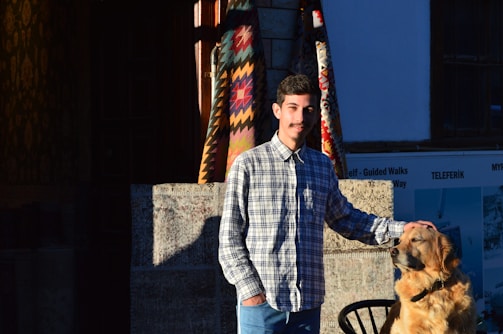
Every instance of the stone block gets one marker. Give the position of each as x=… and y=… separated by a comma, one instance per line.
x=274, y=77
x=285, y=4
x=373, y=196
x=281, y=54
x=176, y=282
x=277, y=23
x=142, y=207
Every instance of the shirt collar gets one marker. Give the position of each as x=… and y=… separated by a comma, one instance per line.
x=284, y=152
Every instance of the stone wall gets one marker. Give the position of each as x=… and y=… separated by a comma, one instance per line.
x=176, y=281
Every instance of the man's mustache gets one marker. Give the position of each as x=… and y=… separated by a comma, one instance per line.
x=303, y=124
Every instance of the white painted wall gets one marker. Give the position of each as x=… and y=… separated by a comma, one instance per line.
x=381, y=56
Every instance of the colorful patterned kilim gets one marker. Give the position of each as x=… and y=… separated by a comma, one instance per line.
x=238, y=115
x=313, y=59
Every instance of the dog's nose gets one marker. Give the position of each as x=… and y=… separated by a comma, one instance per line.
x=393, y=251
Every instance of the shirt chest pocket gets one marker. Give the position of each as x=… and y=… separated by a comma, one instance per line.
x=313, y=204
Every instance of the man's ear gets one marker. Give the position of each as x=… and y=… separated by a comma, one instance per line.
x=276, y=110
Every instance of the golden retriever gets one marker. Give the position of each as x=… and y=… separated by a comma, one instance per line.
x=434, y=296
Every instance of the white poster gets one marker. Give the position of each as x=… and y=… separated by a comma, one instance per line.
x=462, y=193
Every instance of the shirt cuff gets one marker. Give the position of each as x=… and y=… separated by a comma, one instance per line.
x=248, y=288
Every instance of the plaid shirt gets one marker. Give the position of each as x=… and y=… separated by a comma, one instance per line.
x=271, y=231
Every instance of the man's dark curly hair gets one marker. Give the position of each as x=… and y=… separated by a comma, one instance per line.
x=295, y=84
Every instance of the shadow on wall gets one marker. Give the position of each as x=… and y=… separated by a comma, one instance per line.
x=177, y=285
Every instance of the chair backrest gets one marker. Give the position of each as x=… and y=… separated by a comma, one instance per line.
x=365, y=316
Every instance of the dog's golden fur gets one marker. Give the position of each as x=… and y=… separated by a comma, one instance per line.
x=434, y=296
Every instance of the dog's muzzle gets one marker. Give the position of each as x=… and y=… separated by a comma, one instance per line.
x=405, y=260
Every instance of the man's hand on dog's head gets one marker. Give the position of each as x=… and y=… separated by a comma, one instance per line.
x=419, y=223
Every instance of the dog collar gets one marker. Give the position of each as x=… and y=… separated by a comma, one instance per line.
x=438, y=285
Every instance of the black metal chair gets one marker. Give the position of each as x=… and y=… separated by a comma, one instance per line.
x=366, y=315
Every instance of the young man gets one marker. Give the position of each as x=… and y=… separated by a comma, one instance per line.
x=278, y=196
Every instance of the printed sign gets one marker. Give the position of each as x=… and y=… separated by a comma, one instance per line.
x=462, y=193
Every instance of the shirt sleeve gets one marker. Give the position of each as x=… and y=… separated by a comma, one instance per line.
x=355, y=224
x=233, y=254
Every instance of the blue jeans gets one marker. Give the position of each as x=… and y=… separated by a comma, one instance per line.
x=263, y=319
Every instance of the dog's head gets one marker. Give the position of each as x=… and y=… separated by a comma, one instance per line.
x=424, y=249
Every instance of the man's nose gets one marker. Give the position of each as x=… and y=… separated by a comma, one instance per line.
x=300, y=116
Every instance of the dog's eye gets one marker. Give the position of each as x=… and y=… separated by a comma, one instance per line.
x=416, y=239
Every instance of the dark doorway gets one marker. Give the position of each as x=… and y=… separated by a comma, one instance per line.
x=145, y=130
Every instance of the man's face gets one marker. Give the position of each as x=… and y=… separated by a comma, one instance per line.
x=296, y=116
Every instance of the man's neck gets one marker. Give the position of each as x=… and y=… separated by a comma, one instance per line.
x=291, y=144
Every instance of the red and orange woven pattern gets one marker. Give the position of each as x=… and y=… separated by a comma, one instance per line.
x=313, y=59
x=238, y=113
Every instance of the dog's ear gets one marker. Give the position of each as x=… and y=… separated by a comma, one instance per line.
x=446, y=253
